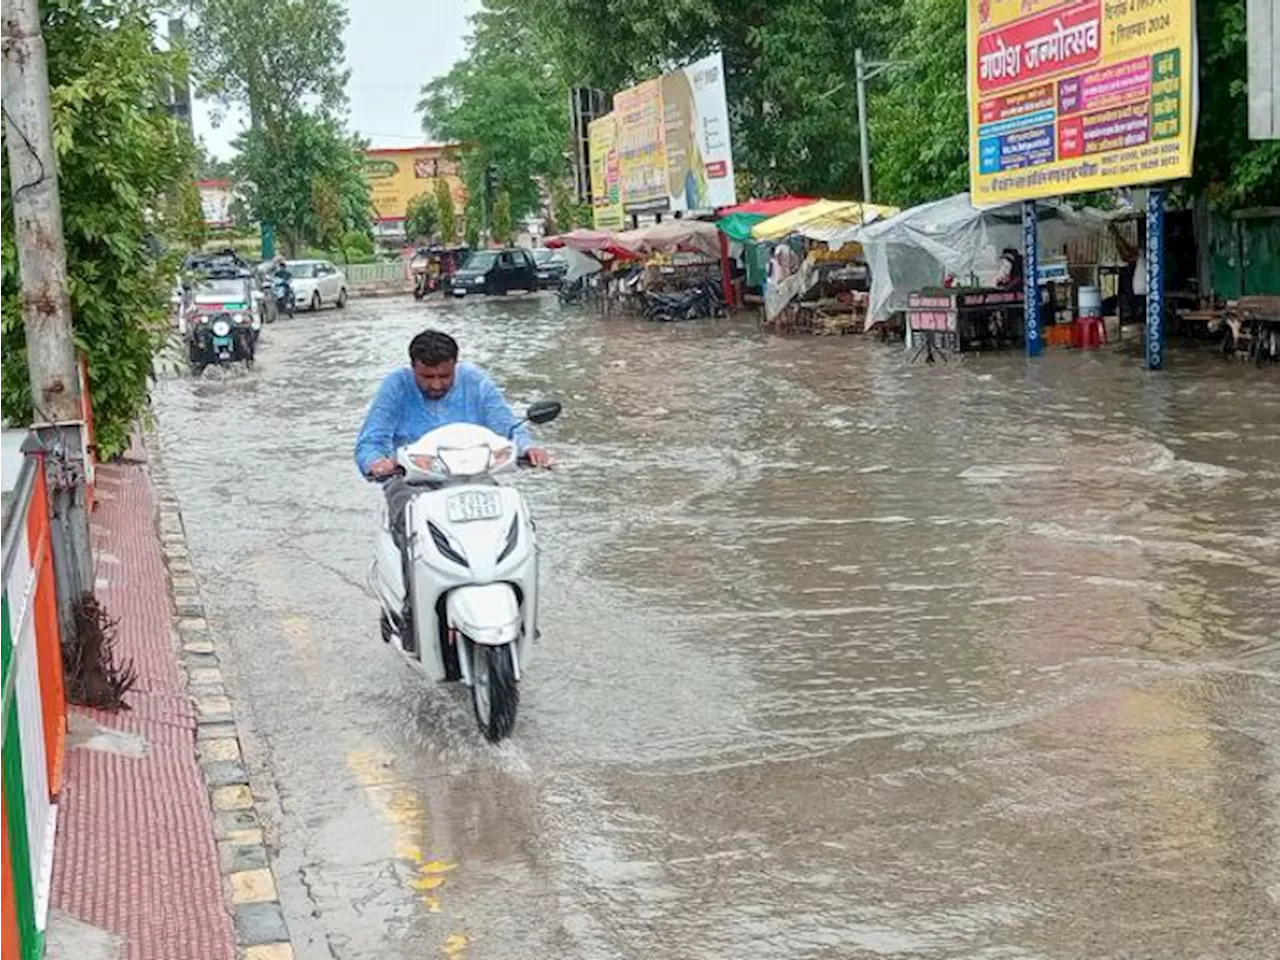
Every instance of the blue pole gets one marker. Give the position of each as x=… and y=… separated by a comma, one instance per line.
x=1030, y=279
x=1155, y=278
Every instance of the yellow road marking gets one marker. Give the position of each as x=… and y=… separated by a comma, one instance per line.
x=374, y=770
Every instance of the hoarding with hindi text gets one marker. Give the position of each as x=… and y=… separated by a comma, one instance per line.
x=1067, y=97
x=606, y=177
x=397, y=175
x=673, y=141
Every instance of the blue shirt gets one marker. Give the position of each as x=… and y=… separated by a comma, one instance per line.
x=401, y=413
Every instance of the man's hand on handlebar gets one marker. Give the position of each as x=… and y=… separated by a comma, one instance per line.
x=383, y=468
x=538, y=457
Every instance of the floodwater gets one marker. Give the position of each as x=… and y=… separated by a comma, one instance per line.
x=842, y=657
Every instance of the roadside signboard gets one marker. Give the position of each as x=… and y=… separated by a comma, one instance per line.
x=215, y=202
x=1067, y=96
x=606, y=176
x=673, y=141
x=696, y=137
x=640, y=146
x=398, y=175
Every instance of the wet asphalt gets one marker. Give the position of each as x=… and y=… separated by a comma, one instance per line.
x=842, y=657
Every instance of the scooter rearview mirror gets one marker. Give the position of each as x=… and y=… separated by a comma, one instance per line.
x=543, y=411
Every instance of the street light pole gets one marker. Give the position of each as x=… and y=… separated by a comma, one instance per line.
x=865, y=70
x=52, y=366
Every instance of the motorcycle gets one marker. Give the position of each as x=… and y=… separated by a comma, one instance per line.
x=222, y=338
x=461, y=598
x=425, y=283
x=282, y=290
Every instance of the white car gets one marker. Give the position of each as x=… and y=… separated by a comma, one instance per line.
x=316, y=283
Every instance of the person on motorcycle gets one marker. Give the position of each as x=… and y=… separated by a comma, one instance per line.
x=434, y=390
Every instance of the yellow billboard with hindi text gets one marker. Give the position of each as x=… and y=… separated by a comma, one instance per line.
x=1067, y=97
x=606, y=178
x=397, y=175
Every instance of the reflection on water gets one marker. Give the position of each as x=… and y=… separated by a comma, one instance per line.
x=844, y=657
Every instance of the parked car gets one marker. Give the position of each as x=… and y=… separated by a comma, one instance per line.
x=317, y=282
x=496, y=271
x=552, y=267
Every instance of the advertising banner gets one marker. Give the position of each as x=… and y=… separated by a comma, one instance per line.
x=397, y=175
x=696, y=137
x=215, y=202
x=638, y=112
x=606, y=174
x=673, y=141
x=1067, y=97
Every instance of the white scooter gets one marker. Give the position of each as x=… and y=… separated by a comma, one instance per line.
x=470, y=612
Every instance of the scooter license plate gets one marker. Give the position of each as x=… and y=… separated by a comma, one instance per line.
x=473, y=505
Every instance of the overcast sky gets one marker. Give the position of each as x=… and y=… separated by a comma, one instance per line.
x=393, y=47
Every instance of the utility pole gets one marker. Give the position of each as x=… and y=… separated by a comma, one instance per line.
x=865, y=70
x=46, y=308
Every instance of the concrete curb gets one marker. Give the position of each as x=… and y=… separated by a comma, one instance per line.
x=249, y=883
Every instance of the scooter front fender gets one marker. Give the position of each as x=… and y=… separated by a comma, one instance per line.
x=488, y=614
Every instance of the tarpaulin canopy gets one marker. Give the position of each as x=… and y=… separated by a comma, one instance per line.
x=670, y=236
x=918, y=247
x=768, y=206
x=817, y=215
x=736, y=222
x=594, y=242
x=674, y=236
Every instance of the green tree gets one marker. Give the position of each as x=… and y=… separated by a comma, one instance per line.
x=789, y=70
x=122, y=203
x=1233, y=170
x=422, y=217
x=283, y=61
x=919, y=113
x=505, y=104
x=502, y=217
x=445, y=211
x=308, y=179
x=273, y=57
x=356, y=246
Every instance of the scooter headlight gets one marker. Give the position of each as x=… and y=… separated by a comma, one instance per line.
x=221, y=327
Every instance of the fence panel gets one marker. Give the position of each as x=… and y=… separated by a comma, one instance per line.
x=48, y=635
x=33, y=717
x=360, y=273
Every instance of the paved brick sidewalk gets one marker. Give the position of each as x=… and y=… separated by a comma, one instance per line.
x=135, y=852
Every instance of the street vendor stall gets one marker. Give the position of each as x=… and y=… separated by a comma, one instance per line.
x=951, y=319
x=669, y=270
x=827, y=292
x=951, y=244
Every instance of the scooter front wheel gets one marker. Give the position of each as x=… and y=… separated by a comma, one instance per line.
x=495, y=694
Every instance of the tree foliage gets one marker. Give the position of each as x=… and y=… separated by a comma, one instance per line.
x=918, y=112
x=1231, y=168
x=789, y=70
x=445, y=211
x=306, y=176
x=792, y=92
x=422, y=217
x=502, y=217
x=503, y=101
x=274, y=57
x=283, y=61
x=123, y=199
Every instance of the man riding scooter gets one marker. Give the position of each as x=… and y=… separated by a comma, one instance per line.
x=282, y=288
x=434, y=390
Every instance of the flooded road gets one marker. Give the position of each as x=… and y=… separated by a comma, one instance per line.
x=842, y=657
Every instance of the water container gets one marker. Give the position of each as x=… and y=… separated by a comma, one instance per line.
x=1090, y=302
